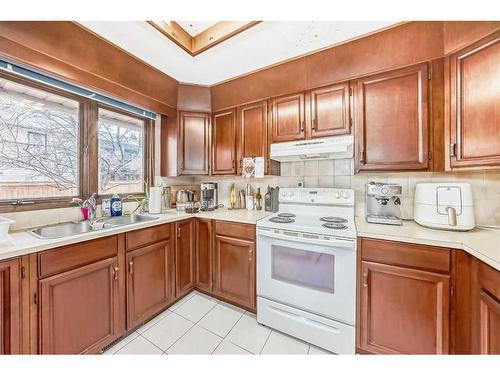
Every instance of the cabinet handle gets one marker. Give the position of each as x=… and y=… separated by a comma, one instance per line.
x=365, y=279
x=315, y=124
x=302, y=126
x=361, y=156
x=178, y=232
x=115, y=272
x=250, y=255
x=131, y=267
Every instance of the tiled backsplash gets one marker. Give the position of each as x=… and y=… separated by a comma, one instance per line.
x=325, y=173
x=340, y=174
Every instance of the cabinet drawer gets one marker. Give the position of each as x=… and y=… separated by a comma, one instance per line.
x=147, y=236
x=62, y=259
x=406, y=254
x=235, y=230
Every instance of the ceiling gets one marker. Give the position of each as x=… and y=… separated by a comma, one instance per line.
x=267, y=43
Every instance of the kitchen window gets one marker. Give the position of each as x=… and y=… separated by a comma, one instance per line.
x=48, y=153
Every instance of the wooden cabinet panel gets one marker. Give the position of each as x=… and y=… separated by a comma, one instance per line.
x=204, y=254
x=224, y=143
x=475, y=104
x=288, y=118
x=392, y=120
x=79, y=309
x=403, y=310
x=252, y=133
x=489, y=324
x=234, y=267
x=10, y=307
x=236, y=230
x=330, y=111
x=143, y=237
x=406, y=254
x=194, y=143
x=184, y=257
x=58, y=260
x=149, y=281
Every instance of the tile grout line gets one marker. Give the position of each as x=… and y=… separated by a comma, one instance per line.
x=263, y=346
x=228, y=332
x=194, y=324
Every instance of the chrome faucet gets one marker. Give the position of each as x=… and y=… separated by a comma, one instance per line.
x=91, y=204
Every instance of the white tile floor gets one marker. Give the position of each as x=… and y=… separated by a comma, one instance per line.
x=199, y=324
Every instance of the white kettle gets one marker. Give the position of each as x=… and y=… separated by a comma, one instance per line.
x=444, y=205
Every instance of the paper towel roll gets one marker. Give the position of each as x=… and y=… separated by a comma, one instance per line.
x=155, y=200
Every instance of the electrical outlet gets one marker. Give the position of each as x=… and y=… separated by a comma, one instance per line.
x=300, y=184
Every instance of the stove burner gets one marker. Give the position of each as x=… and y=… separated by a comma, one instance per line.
x=335, y=226
x=286, y=214
x=334, y=219
x=280, y=219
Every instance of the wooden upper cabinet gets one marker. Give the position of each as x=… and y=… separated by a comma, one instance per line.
x=330, y=110
x=204, y=254
x=403, y=310
x=223, y=142
x=184, y=257
x=288, y=118
x=150, y=281
x=252, y=132
x=194, y=143
x=474, y=99
x=10, y=307
x=79, y=309
x=392, y=120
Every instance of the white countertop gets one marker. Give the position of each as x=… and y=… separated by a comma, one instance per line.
x=23, y=243
x=483, y=243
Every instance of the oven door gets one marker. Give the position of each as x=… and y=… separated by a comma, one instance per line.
x=315, y=275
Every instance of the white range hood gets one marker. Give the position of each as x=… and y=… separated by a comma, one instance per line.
x=340, y=147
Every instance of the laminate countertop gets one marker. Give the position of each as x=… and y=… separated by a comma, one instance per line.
x=23, y=242
x=481, y=242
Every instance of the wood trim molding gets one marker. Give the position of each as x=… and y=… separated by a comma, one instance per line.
x=208, y=38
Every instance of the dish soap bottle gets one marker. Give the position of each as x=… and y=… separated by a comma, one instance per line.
x=116, y=205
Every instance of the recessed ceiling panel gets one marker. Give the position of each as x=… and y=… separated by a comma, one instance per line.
x=264, y=44
x=193, y=28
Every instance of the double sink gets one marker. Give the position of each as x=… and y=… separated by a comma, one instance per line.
x=74, y=228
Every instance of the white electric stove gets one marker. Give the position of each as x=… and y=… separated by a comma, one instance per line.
x=306, y=267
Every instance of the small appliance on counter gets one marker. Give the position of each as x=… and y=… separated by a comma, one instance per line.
x=383, y=203
x=209, y=198
x=173, y=191
x=444, y=205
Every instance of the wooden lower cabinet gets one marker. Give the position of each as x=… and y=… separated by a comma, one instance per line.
x=184, y=257
x=10, y=307
x=79, y=309
x=150, y=282
x=489, y=313
x=204, y=254
x=234, y=270
x=404, y=310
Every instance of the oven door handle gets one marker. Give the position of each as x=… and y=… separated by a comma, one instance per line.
x=334, y=242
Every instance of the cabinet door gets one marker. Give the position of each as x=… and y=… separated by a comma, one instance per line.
x=235, y=270
x=194, y=143
x=330, y=111
x=288, y=118
x=403, y=310
x=149, y=281
x=391, y=121
x=223, y=143
x=184, y=257
x=204, y=252
x=79, y=309
x=10, y=307
x=489, y=324
x=252, y=139
x=475, y=104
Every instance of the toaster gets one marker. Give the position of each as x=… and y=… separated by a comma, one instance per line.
x=444, y=205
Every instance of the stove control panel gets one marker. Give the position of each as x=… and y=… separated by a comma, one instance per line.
x=330, y=196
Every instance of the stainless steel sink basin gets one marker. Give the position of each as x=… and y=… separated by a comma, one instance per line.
x=125, y=220
x=74, y=228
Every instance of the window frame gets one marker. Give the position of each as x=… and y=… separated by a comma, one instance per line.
x=87, y=148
